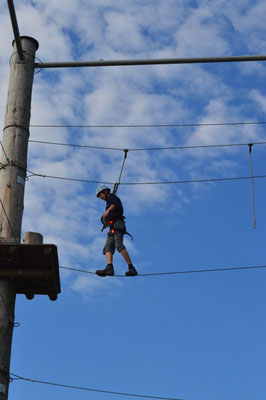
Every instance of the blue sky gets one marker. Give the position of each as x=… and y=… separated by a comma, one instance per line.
x=191, y=336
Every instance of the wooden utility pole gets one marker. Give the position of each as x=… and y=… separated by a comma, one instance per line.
x=13, y=167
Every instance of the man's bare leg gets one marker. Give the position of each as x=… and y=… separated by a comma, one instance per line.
x=109, y=257
x=126, y=257
x=131, y=269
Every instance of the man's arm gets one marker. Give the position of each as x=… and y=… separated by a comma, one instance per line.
x=112, y=207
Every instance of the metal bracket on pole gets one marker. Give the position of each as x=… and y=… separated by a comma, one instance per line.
x=15, y=29
x=158, y=61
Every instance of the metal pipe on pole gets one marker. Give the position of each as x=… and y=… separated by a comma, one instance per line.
x=12, y=182
x=15, y=28
x=159, y=61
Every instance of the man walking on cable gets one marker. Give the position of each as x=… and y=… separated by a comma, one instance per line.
x=114, y=219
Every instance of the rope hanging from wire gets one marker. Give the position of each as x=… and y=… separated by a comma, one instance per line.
x=252, y=180
x=123, y=164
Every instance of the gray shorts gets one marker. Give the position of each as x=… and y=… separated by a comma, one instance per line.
x=115, y=241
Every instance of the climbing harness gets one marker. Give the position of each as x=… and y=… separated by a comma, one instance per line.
x=112, y=230
x=110, y=225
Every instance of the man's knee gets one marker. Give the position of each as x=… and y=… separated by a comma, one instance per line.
x=108, y=251
x=109, y=246
x=121, y=247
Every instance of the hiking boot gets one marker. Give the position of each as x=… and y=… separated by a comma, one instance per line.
x=107, y=271
x=131, y=271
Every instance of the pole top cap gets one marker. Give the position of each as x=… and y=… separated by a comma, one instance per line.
x=29, y=38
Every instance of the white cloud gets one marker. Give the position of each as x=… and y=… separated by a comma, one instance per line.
x=248, y=20
x=259, y=98
x=88, y=285
x=201, y=34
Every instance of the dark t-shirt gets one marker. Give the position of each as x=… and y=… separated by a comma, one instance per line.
x=112, y=199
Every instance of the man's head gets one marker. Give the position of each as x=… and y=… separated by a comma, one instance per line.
x=102, y=192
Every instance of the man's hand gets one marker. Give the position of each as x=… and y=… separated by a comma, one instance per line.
x=105, y=215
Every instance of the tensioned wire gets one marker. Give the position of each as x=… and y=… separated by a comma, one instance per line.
x=174, y=272
x=152, y=125
x=16, y=377
x=145, y=183
x=147, y=148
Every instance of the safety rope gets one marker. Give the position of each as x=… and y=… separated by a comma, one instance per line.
x=118, y=182
x=252, y=180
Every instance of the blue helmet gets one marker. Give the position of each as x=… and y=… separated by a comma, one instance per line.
x=101, y=188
